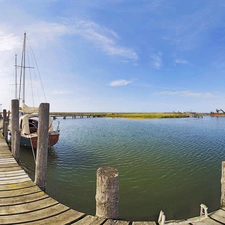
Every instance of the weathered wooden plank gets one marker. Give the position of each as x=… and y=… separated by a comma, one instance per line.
x=6, y=187
x=8, y=165
x=207, y=221
x=144, y=223
x=2, y=142
x=219, y=215
x=62, y=218
x=18, y=180
x=4, y=147
x=23, y=199
x=13, y=177
x=93, y=220
x=35, y=215
x=27, y=207
x=116, y=222
x=12, y=173
x=5, y=155
x=19, y=192
x=7, y=160
x=14, y=168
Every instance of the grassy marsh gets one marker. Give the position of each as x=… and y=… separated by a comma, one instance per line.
x=147, y=115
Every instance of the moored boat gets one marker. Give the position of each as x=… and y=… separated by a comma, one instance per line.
x=29, y=131
x=219, y=112
x=28, y=121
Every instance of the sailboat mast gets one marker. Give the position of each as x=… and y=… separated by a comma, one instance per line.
x=15, y=76
x=24, y=65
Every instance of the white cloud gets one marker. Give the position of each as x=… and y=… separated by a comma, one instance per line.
x=189, y=94
x=102, y=37
x=157, y=60
x=61, y=92
x=8, y=41
x=116, y=83
x=181, y=61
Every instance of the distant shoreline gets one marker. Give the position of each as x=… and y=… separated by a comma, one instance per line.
x=138, y=115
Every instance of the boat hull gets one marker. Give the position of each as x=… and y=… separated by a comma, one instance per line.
x=217, y=114
x=32, y=140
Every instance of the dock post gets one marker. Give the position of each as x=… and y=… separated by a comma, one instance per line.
x=162, y=218
x=5, y=130
x=107, y=193
x=15, y=144
x=222, y=201
x=4, y=120
x=42, y=146
x=203, y=210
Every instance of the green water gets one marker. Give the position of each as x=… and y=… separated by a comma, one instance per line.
x=164, y=164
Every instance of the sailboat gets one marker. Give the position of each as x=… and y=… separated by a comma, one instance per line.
x=28, y=120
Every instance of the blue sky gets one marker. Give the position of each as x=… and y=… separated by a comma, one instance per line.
x=118, y=55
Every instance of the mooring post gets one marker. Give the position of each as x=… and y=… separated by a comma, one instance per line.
x=203, y=210
x=5, y=130
x=162, y=218
x=15, y=144
x=107, y=193
x=4, y=121
x=42, y=146
x=222, y=200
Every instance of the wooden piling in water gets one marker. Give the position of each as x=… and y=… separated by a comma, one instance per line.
x=42, y=146
x=4, y=121
x=222, y=201
x=107, y=193
x=15, y=144
x=5, y=130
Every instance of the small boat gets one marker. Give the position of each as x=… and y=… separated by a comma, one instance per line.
x=218, y=113
x=28, y=124
x=28, y=119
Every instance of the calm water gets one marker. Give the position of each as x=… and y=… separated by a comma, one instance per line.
x=168, y=164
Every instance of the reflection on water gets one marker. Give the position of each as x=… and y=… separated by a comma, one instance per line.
x=168, y=164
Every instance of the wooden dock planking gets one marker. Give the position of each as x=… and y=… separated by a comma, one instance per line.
x=219, y=215
x=19, y=192
x=28, y=207
x=67, y=217
x=144, y=223
x=8, y=187
x=116, y=222
x=34, y=215
x=14, y=168
x=93, y=220
x=11, y=173
x=207, y=221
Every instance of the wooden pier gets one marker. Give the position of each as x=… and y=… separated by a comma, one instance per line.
x=75, y=115
x=23, y=202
